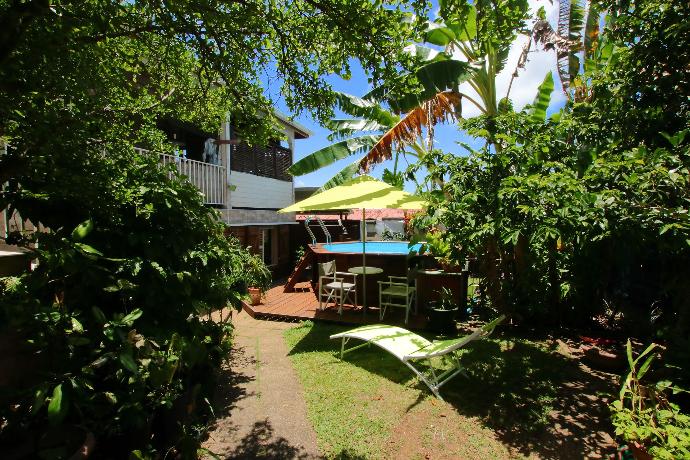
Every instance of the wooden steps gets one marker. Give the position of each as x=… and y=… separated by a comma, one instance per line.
x=303, y=263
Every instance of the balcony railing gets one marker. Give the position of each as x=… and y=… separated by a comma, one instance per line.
x=208, y=178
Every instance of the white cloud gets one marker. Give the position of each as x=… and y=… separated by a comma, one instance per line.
x=300, y=183
x=525, y=86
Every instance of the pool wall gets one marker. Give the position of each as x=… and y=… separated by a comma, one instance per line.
x=392, y=265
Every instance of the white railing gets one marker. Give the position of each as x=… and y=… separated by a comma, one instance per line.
x=208, y=178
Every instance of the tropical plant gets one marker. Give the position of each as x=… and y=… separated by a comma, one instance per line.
x=115, y=318
x=573, y=217
x=445, y=300
x=114, y=325
x=377, y=134
x=643, y=413
x=257, y=273
x=580, y=48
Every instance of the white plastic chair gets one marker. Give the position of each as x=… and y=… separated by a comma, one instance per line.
x=332, y=284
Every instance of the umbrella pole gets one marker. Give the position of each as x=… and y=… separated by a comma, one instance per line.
x=364, y=261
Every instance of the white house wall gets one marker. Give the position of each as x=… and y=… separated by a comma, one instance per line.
x=250, y=191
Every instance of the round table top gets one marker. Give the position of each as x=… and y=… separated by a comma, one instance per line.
x=360, y=270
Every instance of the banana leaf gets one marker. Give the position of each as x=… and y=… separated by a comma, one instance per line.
x=541, y=103
x=332, y=153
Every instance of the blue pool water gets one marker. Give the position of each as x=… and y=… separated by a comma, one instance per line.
x=373, y=247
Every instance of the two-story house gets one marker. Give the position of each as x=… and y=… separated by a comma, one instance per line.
x=248, y=185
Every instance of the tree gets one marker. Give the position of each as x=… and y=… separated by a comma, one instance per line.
x=583, y=215
x=432, y=94
x=134, y=261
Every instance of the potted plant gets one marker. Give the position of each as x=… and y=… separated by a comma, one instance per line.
x=437, y=247
x=442, y=313
x=257, y=277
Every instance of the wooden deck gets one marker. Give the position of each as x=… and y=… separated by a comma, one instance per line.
x=303, y=304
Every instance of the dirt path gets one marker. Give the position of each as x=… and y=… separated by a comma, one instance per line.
x=263, y=411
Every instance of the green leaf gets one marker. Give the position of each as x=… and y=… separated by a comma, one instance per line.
x=82, y=230
x=434, y=78
x=628, y=352
x=464, y=30
x=647, y=350
x=88, y=249
x=39, y=398
x=131, y=317
x=99, y=315
x=332, y=153
x=541, y=103
x=438, y=34
x=346, y=127
x=364, y=108
x=645, y=366
x=57, y=408
x=76, y=325
x=344, y=175
x=424, y=53
x=591, y=29
x=128, y=362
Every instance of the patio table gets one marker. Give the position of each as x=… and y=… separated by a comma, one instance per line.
x=365, y=271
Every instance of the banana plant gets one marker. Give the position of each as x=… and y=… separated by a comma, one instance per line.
x=482, y=33
x=375, y=134
x=579, y=46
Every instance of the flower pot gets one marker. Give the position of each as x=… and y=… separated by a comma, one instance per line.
x=254, y=295
x=442, y=321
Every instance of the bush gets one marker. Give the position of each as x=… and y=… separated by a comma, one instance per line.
x=115, y=319
x=644, y=414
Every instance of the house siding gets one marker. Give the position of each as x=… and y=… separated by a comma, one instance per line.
x=250, y=191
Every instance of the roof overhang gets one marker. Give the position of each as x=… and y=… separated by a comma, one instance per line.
x=301, y=131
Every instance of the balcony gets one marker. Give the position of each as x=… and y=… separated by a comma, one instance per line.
x=210, y=179
x=270, y=161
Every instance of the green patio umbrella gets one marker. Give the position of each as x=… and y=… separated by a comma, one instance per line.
x=363, y=192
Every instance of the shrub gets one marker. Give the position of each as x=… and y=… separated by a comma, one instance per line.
x=115, y=319
x=644, y=414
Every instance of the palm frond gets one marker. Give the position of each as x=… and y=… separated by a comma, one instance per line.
x=438, y=109
x=344, y=175
x=332, y=153
x=364, y=108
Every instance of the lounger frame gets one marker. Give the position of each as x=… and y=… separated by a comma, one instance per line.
x=432, y=378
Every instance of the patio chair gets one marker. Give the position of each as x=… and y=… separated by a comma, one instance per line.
x=411, y=349
x=332, y=284
x=398, y=291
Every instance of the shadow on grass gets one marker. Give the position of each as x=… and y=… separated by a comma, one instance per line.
x=534, y=399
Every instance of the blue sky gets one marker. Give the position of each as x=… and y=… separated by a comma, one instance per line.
x=446, y=137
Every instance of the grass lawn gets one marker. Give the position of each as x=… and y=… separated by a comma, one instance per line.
x=522, y=399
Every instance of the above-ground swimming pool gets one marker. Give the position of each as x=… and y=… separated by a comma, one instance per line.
x=392, y=258
x=373, y=247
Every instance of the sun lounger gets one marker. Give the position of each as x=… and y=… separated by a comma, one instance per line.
x=411, y=348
